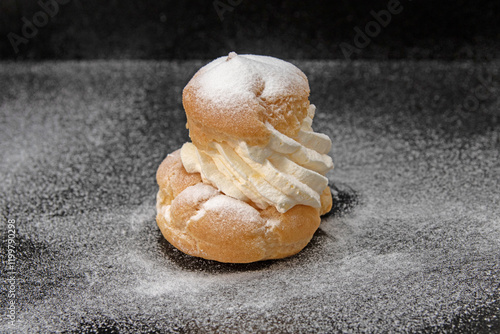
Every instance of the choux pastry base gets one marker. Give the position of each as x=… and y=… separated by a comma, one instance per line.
x=201, y=221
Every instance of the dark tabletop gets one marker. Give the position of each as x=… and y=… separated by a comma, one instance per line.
x=411, y=245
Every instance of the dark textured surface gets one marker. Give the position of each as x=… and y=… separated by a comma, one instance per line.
x=313, y=29
x=411, y=246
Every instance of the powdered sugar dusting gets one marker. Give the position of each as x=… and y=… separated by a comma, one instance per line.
x=418, y=253
x=272, y=223
x=222, y=202
x=200, y=214
x=200, y=192
x=229, y=79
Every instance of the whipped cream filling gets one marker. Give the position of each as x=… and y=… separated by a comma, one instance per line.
x=284, y=173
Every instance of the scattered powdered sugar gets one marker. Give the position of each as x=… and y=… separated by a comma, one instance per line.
x=222, y=202
x=272, y=222
x=199, y=192
x=198, y=215
x=164, y=211
x=417, y=253
x=229, y=79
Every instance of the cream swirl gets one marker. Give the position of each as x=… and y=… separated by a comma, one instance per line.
x=284, y=173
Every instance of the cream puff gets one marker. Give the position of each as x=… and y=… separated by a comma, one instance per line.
x=251, y=185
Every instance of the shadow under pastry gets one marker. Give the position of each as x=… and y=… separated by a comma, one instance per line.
x=344, y=200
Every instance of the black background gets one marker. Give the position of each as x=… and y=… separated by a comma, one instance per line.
x=194, y=29
x=412, y=243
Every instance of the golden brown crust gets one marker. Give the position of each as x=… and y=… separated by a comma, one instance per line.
x=326, y=201
x=211, y=117
x=200, y=221
x=206, y=126
x=173, y=178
